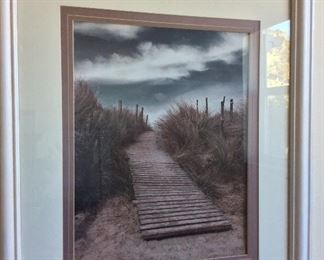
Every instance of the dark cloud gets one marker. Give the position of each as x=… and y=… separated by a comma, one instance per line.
x=151, y=93
x=199, y=70
x=89, y=46
x=218, y=71
x=196, y=38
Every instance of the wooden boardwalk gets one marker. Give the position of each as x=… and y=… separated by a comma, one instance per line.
x=168, y=202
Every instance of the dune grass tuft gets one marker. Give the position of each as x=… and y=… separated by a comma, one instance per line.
x=101, y=134
x=212, y=155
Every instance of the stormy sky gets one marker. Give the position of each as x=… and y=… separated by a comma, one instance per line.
x=157, y=67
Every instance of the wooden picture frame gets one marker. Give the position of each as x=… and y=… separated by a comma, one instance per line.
x=71, y=14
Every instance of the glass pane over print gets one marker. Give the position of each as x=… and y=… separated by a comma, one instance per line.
x=160, y=142
x=274, y=102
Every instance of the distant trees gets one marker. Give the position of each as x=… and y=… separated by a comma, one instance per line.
x=101, y=168
x=277, y=58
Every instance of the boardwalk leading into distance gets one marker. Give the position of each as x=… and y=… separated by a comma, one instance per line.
x=168, y=202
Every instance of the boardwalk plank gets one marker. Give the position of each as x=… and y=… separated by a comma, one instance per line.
x=140, y=189
x=154, y=195
x=168, y=202
x=180, y=185
x=171, y=208
x=180, y=222
x=179, y=213
x=149, y=205
x=161, y=219
x=177, y=198
x=185, y=230
x=169, y=183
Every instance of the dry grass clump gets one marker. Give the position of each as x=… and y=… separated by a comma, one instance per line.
x=101, y=169
x=213, y=156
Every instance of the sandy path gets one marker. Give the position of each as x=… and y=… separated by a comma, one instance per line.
x=114, y=235
x=158, y=179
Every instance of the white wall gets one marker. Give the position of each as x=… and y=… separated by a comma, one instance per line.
x=41, y=129
x=317, y=137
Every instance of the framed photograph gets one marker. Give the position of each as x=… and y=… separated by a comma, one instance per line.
x=160, y=136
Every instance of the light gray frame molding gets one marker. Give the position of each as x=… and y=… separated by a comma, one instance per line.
x=71, y=14
x=9, y=135
x=300, y=108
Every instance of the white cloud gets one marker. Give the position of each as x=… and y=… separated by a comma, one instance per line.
x=160, y=97
x=157, y=62
x=107, y=30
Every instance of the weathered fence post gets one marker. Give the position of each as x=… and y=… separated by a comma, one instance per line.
x=136, y=113
x=197, y=109
x=206, y=110
x=146, y=120
x=120, y=106
x=222, y=107
x=142, y=114
x=231, y=108
x=222, y=116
